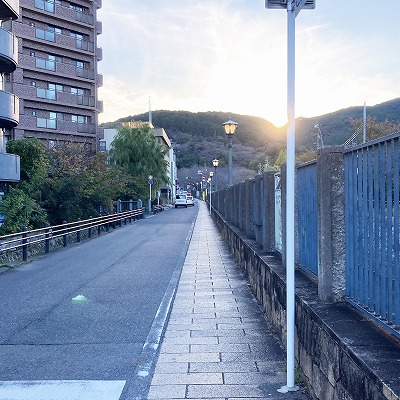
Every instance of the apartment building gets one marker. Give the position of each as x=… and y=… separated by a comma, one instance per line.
x=9, y=103
x=56, y=78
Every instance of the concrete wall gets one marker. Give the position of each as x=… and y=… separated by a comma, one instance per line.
x=341, y=354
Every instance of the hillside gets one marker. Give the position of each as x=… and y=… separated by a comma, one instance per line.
x=199, y=137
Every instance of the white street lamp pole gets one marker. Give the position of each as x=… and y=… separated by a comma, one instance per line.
x=293, y=8
x=290, y=190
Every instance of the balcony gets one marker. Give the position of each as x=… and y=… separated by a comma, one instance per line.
x=8, y=52
x=99, y=54
x=9, y=9
x=88, y=101
x=9, y=168
x=9, y=110
x=85, y=18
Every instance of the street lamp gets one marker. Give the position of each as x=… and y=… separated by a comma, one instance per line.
x=230, y=128
x=215, y=164
x=293, y=8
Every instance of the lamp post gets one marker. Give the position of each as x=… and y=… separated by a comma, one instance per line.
x=230, y=128
x=215, y=164
x=210, y=182
x=293, y=8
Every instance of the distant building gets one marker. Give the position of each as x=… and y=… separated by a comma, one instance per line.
x=9, y=103
x=168, y=190
x=56, y=78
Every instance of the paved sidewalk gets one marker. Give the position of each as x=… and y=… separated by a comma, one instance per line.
x=217, y=343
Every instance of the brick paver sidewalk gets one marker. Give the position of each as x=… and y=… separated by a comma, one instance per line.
x=217, y=344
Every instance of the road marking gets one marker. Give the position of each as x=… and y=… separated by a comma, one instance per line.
x=61, y=390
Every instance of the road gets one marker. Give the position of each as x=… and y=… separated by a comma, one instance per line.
x=93, y=312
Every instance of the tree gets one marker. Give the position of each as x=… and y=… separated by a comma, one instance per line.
x=34, y=163
x=374, y=128
x=138, y=153
x=80, y=184
x=20, y=211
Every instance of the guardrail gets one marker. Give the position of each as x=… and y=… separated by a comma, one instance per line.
x=19, y=246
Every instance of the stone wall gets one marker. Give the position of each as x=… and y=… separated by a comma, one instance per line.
x=341, y=354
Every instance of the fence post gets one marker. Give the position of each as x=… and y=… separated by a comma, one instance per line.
x=90, y=229
x=78, y=233
x=65, y=236
x=269, y=212
x=47, y=239
x=331, y=225
x=24, y=243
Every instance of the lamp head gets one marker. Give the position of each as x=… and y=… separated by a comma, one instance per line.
x=230, y=127
x=215, y=163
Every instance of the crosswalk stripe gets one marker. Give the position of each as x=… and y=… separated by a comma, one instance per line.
x=61, y=390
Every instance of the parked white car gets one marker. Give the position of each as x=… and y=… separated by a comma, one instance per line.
x=180, y=201
x=189, y=200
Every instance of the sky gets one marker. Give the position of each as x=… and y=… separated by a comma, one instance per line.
x=231, y=56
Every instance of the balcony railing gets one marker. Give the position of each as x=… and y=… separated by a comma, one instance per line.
x=41, y=63
x=86, y=128
x=84, y=73
x=84, y=45
x=46, y=123
x=45, y=5
x=9, y=168
x=46, y=94
x=85, y=18
x=8, y=51
x=88, y=101
x=9, y=110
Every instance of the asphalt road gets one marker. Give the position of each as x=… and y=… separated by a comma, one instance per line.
x=94, y=311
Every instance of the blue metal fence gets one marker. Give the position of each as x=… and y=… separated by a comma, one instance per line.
x=308, y=217
x=372, y=228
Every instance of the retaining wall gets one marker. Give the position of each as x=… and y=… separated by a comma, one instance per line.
x=341, y=354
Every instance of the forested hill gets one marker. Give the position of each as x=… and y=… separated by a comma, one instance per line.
x=200, y=137
x=335, y=126
x=182, y=125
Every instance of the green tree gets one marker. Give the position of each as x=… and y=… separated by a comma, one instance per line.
x=280, y=159
x=375, y=129
x=80, y=184
x=34, y=163
x=20, y=211
x=137, y=152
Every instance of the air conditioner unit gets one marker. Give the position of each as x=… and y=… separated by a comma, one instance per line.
x=310, y=4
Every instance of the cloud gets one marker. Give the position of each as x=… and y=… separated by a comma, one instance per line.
x=211, y=56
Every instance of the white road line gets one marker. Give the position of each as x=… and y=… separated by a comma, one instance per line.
x=61, y=390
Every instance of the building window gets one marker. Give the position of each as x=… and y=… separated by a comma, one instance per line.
x=33, y=113
x=55, y=87
x=52, y=144
x=56, y=115
x=33, y=83
x=45, y=35
x=76, y=35
x=45, y=5
x=46, y=123
x=50, y=65
x=78, y=91
x=55, y=29
x=32, y=54
x=78, y=63
x=45, y=94
x=77, y=7
x=80, y=119
x=102, y=145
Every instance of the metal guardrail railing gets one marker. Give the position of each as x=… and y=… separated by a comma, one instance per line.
x=29, y=242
